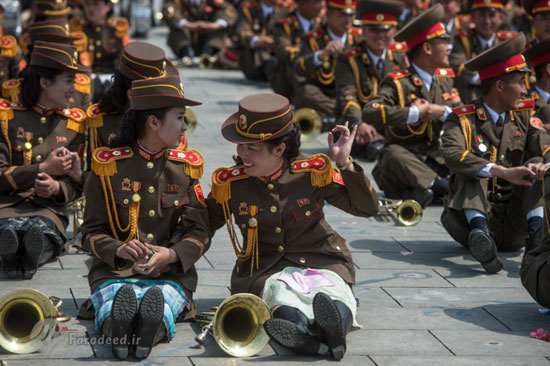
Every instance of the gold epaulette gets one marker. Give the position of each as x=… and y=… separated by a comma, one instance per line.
x=356, y=51
x=318, y=165
x=315, y=34
x=505, y=34
x=11, y=89
x=398, y=46
x=75, y=24
x=6, y=110
x=464, y=110
x=82, y=83
x=192, y=158
x=355, y=31
x=445, y=73
x=95, y=116
x=221, y=182
x=9, y=46
x=24, y=42
x=398, y=74
x=120, y=25
x=525, y=105
x=76, y=119
x=81, y=43
x=104, y=159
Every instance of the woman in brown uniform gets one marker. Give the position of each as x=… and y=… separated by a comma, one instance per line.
x=145, y=222
x=292, y=258
x=39, y=163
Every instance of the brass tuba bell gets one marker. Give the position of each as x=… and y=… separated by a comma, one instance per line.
x=190, y=119
x=28, y=319
x=409, y=212
x=237, y=325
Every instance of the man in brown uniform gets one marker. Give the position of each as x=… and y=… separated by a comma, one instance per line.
x=360, y=70
x=255, y=26
x=538, y=57
x=287, y=38
x=198, y=27
x=451, y=20
x=539, y=12
x=487, y=17
x=412, y=105
x=317, y=59
x=490, y=139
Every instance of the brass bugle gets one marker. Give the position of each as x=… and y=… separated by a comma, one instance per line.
x=207, y=61
x=28, y=319
x=310, y=123
x=190, y=119
x=237, y=325
x=408, y=212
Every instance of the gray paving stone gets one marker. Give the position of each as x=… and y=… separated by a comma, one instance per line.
x=460, y=361
x=399, y=278
x=350, y=360
x=394, y=343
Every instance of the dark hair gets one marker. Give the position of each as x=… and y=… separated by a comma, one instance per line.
x=133, y=126
x=291, y=140
x=30, y=85
x=539, y=69
x=115, y=98
x=487, y=85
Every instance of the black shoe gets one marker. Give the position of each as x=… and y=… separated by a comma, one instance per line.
x=123, y=314
x=149, y=321
x=483, y=248
x=288, y=335
x=373, y=149
x=34, y=245
x=9, y=243
x=334, y=322
x=422, y=196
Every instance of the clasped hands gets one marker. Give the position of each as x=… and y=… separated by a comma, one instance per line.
x=521, y=175
x=60, y=161
x=140, y=254
x=428, y=111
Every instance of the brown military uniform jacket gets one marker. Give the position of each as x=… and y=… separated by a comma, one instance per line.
x=358, y=78
x=102, y=128
x=287, y=35
x=28, y=136
x=291, y=225
x=252, y=23
x=470, y=142
x=10, y=58
x=164, y=190
x=207, y=10
x=465, y=47
x=539, y=100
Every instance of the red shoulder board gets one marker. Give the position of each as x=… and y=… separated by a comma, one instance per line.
x=398, y=46
x=525, y=104
x=398, y=74
x=337, y=177
x=465, y=33
x=353, y=52
x=248, y=4
x=8, y=42
x=315, y=34
x=287, y=20
x=464, y=18
x=82, y=79
x=190, y=156
x=199, y=194
x=73, y=113
x=285, y=4
x=224, y=175
x=506, y=34
x=317, y=162
x=93, y=111
x=356, y=31
x=464, y=110
x=446, y=73
x=105, y=155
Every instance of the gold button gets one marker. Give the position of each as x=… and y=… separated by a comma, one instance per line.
x=338, y=248
x=98, y=42
x=126, y=201
x=40, y=140
x=278, y=230
x=91, y=47
x=18, y=147
x=98, y=55
x=151, y=189
x=280, y=248
x=98, y=29
x=136, y=197
x=270, y=186
x=308, y=213
x=152, y=213
x=150, y=165
x=150, y=236
x=38, y=158
x=42, y=119
x=176, y=203
x=243, y=226
x=273, y=209
x=302, y=260
x=28, y=145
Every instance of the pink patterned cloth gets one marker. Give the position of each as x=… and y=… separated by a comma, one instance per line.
x=306, y=282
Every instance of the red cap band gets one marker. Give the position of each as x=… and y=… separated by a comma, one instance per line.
x=541, y=6
x=487, y=4
x=342, y=4
x=514, y=63
x=379, y=18
x=434, y=31
x=541, y=59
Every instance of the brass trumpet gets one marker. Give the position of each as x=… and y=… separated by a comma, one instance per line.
x=237, y=325
x=207, y=61
x=311, y=124
x=409, y=212
x=28, y=319
x=190, y=119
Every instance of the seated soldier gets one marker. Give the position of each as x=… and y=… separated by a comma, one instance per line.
x=492, y=203
x=412, y=105
x=539, y=13
x=538, y=57
x=487, y=17
x=360, y=70
x=39, y=159
x=198, y=27
x=316, y=62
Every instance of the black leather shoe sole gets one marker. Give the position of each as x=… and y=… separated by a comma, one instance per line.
x=484, y=249
x=123, y=313
x=151, y=312
x=328, y=319
x=285, y=333
x=8, y=251
x=33, y=244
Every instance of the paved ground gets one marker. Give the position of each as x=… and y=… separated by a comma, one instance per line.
x=424, y=299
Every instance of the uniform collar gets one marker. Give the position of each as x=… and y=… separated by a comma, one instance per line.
x=43, y=111
x=266, y=10
x=148, y=155
x=543, y=94
x=305, y=23
x=426, y=78
x=272, y=177
x=494, y=115
x=375, y=58
x=486, y=43
x=334, y=37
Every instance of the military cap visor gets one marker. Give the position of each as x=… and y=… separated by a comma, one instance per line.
x=156, y=93
x=504, y=58
x=495, y=5
x=379, y=14
x=345, y=6
x=424, y=27
x=260, y=117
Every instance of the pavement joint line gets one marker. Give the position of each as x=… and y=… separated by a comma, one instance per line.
x=371, y=360
x=401, y=244
x=210, y=263
x=497, y=319
x=444, y=278
x=60, y=264
x=443, y=344
x=74, y=300
x=394, y=299
x=90, y=343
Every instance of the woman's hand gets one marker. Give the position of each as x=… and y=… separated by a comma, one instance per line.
x=341, y=149
x=58, y=162
x=45, y=186
x=75, y=173
x=134, y=251
x=159, y=264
